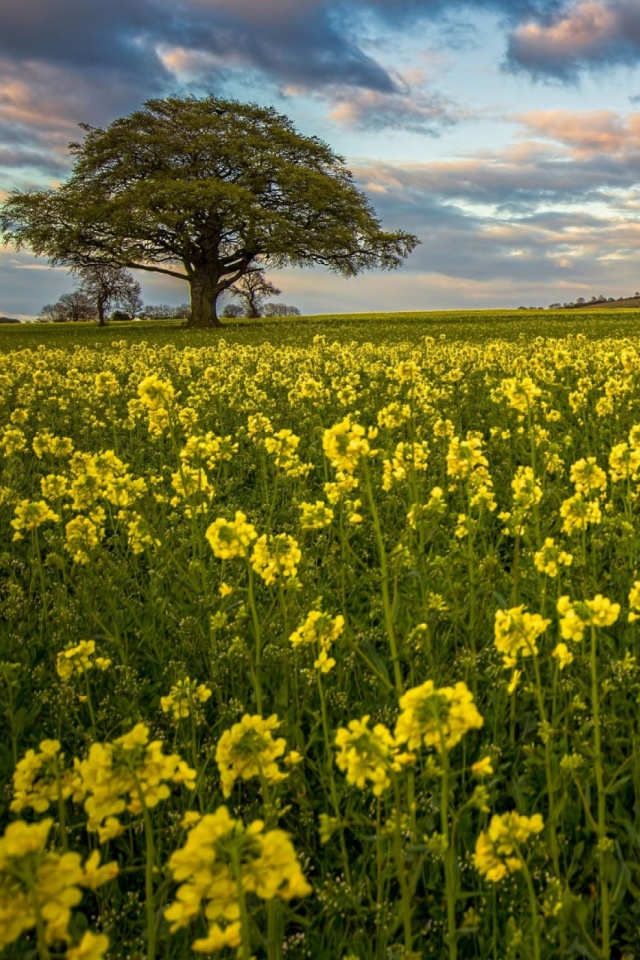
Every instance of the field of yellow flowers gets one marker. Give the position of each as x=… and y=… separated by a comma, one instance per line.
x=321, y=648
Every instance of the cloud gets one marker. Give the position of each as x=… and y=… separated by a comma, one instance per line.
x=586, y=133
x=587, y=34
x=412, y=107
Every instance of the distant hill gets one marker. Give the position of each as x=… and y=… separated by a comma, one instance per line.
x=9, y=320
x=610, y=304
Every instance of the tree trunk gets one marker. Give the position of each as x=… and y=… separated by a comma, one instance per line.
x=204, y=294
x=101, y=317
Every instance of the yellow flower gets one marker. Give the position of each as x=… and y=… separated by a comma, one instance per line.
x=436, y=718
x=123, y=775
x=275, y=556
x=231, y=538
x=465, y=456
x=79, y=659
x=249, y=750
x=315, y=516
x=520, y=393
x=603, y=612
x=40, y=779
x=39, y=882
x=516, y=632
x=345, y=445
x=498, y=850
x=367, y=755
x=92, y=947
x=550, y=558
x=578, y=513
x=266, y=867
x=587, y=477
x=634, y=601
x=184, y=696
x=515, y=680
x=563, y=655
x=81, y=536
x=482, y=768
x=31, y=514
x=576, y=616
x=320, y=630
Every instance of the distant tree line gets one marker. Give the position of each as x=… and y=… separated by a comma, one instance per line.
x=101, y=289
x=582, y=302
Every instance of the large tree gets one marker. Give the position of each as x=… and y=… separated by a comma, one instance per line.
x=204, y=189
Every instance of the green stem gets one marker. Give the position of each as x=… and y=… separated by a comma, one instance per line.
x=449, y=860
x=405, y=889
x=551, y=819
x=602, y=823
x=149, y=868
x=332, y=782
x=384, y=582
x=258, y=638
x=533, y=906
x=245, y=949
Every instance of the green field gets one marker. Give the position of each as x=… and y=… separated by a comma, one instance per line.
x=391, y=327
x=319, y=638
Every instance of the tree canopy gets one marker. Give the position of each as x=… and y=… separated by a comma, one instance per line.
x=204, y=189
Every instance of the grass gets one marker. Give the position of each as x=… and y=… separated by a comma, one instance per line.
x=326, y=625
x=474, y=326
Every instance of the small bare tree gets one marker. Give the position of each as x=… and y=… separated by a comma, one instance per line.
x=129, y=300
x=252, y=290
x=52, y=313
x=232, y=310
x=104, y=284
x=77, y=306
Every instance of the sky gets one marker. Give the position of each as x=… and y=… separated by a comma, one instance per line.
x=504, y=133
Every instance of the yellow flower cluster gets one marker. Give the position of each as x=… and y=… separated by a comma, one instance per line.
x=367, y=755
x=345, y=444
x=231, y=538
x=634, y=602
x=80, y=659
x=516, y=632
x=576, y=616
x=465, y=456
x=520, y=393
x=39, y=887
x=527, y=494
x=40, y=779
x=550, y=557
x=31, y=514
x=249, y=750
x=499, y=849
x=320, y=630
x=437, y=718
x=223, y=860
x=158, y=397
x=274, y=557
x=130, y=774
x=283, y=446
x=184, y=698
x=315, y=516
x=406, y=457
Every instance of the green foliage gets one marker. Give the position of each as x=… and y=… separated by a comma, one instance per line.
x=417, y=578
x=202, y=189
